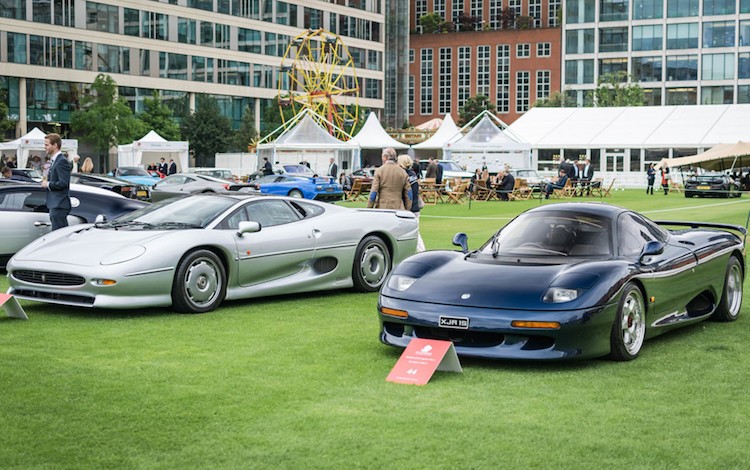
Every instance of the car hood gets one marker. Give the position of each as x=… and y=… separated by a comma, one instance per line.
x=88, y=247
x=471, y=283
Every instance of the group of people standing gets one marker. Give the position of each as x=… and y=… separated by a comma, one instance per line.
x=567, y=170
x=163, y=167
x=651, y=179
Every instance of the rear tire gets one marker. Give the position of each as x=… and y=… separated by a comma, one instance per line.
x=296, y=193
x=731, y=298
x=629, y=328
x=372, y=263
x=200, y=283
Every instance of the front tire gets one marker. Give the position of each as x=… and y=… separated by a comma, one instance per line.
x=731, y=299
x=629, y=328
x=372, y=263
x=200, y=283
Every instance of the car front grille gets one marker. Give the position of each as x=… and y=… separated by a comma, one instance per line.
x=83, y=300
x=48, y=278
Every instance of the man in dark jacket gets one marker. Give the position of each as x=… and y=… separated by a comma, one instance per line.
x=57, y=183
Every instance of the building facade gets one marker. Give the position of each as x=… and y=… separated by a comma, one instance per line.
x=507, y=50
x=681, y=52
x=229, y=49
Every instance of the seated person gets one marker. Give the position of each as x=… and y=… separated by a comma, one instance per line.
x=505, y=185
x=559, y=184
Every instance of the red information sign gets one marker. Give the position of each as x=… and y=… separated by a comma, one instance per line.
x=421, y=358
x=11, y=306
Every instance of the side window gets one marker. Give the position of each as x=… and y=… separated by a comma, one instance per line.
x=272, y=212
x=233, y=221
x=632, y=234
x=15, y=201
x=307, y=210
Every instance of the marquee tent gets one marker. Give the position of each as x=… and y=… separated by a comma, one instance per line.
x=307, y=141
x=372, y=139
x=33, y=142
x=486, y=144
x=448, y=132
x=431, y=125
x=720, y=157
x=150, y=149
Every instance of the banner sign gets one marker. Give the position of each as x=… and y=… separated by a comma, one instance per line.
x=421, y=358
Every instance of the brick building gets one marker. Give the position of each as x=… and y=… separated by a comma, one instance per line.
x=508, y=50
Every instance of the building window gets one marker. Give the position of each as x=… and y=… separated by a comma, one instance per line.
x=16, y=48
x=648, y=9
x=41, y=11
x=552, y=12
x=682, y=67
x=651, y=97
x=439, y=8
x=579, y=41
x=186, y=31
x=101, y=17
x=420, y=9
x=207, y=5
x=717, y=95
x=647, y=38
x=682, y=96
x=578, y=72
x=154, y=25
x=718, y=7
x=50, y=52
x=682, y=36
x=15, y=9
x=83, y=56
x=496, y=8
x=464, y=74
x=744, y=6
x=542, y=84
x=682, y=8
x=515, y=7
x=743, y=94
x=543, y=49
x=535, y=11
x=613, y=39
x=113, y=59
x=502, y=77
x=718, y=34
x=425, y=81
x=613, y=10
x=579, y=11
x=483, y=70
x=647, y=69
x=743, y=65
x=614, y=66
x=411, y=95
x=446, y=84
x=64, y=12
x=132, y=17
x=522, y=92
x=717, y=67
x=523, y=50
x=203, y=69
x=477, y=11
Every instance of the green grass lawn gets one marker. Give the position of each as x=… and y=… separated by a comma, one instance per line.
x=299, y=382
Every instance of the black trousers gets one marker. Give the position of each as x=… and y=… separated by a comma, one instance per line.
x=59, y=218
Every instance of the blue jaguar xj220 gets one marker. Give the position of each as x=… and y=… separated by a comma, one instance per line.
x=571, y=280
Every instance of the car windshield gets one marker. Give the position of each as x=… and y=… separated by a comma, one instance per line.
x=551, y=234
x=32, y=173
x=708, y=178
x=298, y=169
x=133, y=172
x=189, y=212
x=450, y=166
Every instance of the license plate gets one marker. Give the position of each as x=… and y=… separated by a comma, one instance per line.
x=460, y=323
x=330, y=190
x=142, y=193
x=704, y=187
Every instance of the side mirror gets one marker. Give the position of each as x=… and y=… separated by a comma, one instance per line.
x=652, y=248
x=462, y=240
x=100, y=219
x=248, y=227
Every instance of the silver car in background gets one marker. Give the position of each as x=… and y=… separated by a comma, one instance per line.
x=185, y=184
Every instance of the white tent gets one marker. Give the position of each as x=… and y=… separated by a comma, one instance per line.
x=488, y=145
x=373, y=136
x=33, y=142
x=448, y=132
x=307, y=141
x=150, y=149
x=719, y=158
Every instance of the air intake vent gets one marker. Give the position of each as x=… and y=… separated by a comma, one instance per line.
x=49, y=278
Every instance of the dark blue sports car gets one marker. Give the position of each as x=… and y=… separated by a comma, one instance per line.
x=573, y=280
x=321, y=188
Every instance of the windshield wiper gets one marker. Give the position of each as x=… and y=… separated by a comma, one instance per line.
x=177, y=225
x=128, y=223
x=495, y=248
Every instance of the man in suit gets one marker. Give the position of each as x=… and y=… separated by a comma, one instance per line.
x=587, y=175
x=172, y=167
x=390, y=186
x=559, y=184
x=163, y=166
x=439, y=174
x=506, y=185
x=432, y=168
x=267, y=167
x=57, y=183
x=333, y=168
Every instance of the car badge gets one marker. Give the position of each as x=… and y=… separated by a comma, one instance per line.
x=465, y=296
x=44, y=278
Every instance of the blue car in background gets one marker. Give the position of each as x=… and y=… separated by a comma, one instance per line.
x=321, y=188
x=135, y=175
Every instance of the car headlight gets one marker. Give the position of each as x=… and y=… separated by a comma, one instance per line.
x=126, y=254
x=400, y=283
x=558, y=295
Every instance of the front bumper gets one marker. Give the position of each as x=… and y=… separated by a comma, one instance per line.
x=582, y=334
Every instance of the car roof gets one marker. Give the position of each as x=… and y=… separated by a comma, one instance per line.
x=78, y=188
x=588, y=208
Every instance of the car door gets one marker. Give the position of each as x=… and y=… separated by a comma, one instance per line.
x=25, y=218
x=670, y=277
x=282, y=248
x=170, y=186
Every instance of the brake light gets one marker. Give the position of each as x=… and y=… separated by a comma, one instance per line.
x=226, y=187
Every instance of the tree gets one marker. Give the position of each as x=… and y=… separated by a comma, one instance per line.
x=105, y=119
x=272, y=116
x=556, y=100
x=157, y=116
x=474, y=106
x=617, y=89
x=5, y=122
x=247, y=133
x=507, y=18
x=431, y=23
x=207, y=130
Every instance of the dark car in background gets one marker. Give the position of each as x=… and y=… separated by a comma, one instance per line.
x=712, y=184
x=31, y=174
x=125, y=188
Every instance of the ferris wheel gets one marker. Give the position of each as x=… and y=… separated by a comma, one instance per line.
x=317, y=73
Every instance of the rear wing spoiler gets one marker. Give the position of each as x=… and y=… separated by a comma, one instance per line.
x=738, y=228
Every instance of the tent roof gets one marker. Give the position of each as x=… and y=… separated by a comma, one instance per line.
x=33, y=134
x=307, y=134
x=719, y=157
x=448, y=132
x=486, y=135
x=634, y=127
x=430, y=125
x=373, y=136
x=152, y=136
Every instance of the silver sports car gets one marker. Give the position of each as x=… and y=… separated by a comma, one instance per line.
x=194, y=252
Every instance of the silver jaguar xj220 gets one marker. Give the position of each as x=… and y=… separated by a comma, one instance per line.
x=193, y=253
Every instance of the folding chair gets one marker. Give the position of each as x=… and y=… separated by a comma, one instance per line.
x=481, y=192
x=521, y=190
x=355, y=191
x=428, y=191
x=601, y=191
x=566, y=191
x=457, y=195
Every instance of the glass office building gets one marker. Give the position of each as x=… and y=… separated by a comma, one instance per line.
x=681, y=52
x=230, y=49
